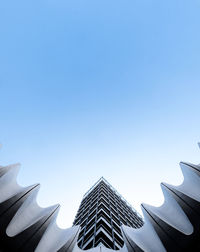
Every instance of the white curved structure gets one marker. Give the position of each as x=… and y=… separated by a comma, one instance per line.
x=26, y=227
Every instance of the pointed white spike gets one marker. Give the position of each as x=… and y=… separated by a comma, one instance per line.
x=9, y=167
x=171, y=213
x=191, y=183
x=145, y=237
x=191, y=166
x=8, y=183
x=12, y=165
x=55, y=238
x=28, y=214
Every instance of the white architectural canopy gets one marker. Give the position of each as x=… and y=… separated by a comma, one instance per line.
x=174, y=226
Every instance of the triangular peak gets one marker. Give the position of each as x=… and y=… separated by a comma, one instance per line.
x=101, y=213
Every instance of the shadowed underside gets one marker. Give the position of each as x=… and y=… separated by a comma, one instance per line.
x=26, y=227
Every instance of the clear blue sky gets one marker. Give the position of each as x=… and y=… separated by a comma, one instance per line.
x=93, y=88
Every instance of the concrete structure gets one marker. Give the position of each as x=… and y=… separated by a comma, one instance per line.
x=26, y=227
x=101, y=213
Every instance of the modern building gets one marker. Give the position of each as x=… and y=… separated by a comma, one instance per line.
x=101, y=213
x=173, y=226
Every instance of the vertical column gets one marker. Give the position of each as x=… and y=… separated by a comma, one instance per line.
x=95, y=223
x=82, y=211
x=113, y=237
x=82, y=242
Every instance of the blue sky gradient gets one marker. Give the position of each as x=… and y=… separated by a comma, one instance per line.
x=95, y=88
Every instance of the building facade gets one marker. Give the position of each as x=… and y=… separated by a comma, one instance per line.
x=173, y=226
x=101, y=213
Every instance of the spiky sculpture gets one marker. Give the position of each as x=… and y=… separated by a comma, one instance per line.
x=26, y=227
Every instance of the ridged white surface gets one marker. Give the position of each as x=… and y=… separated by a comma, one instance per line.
x=191, y=183
x=145, y=237
x=54, y=238
x=28, y=214
x=8, y=184
x=171, y=213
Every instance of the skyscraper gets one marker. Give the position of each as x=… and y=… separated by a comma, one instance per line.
x=173, y=226
x=101, y=213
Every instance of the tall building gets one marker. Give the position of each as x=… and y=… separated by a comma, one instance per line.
x=173, y=226
x=101, y=213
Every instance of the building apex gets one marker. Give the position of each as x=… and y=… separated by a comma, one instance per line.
x=114, y=190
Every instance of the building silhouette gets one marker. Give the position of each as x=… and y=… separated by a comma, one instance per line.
x=101, y=213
